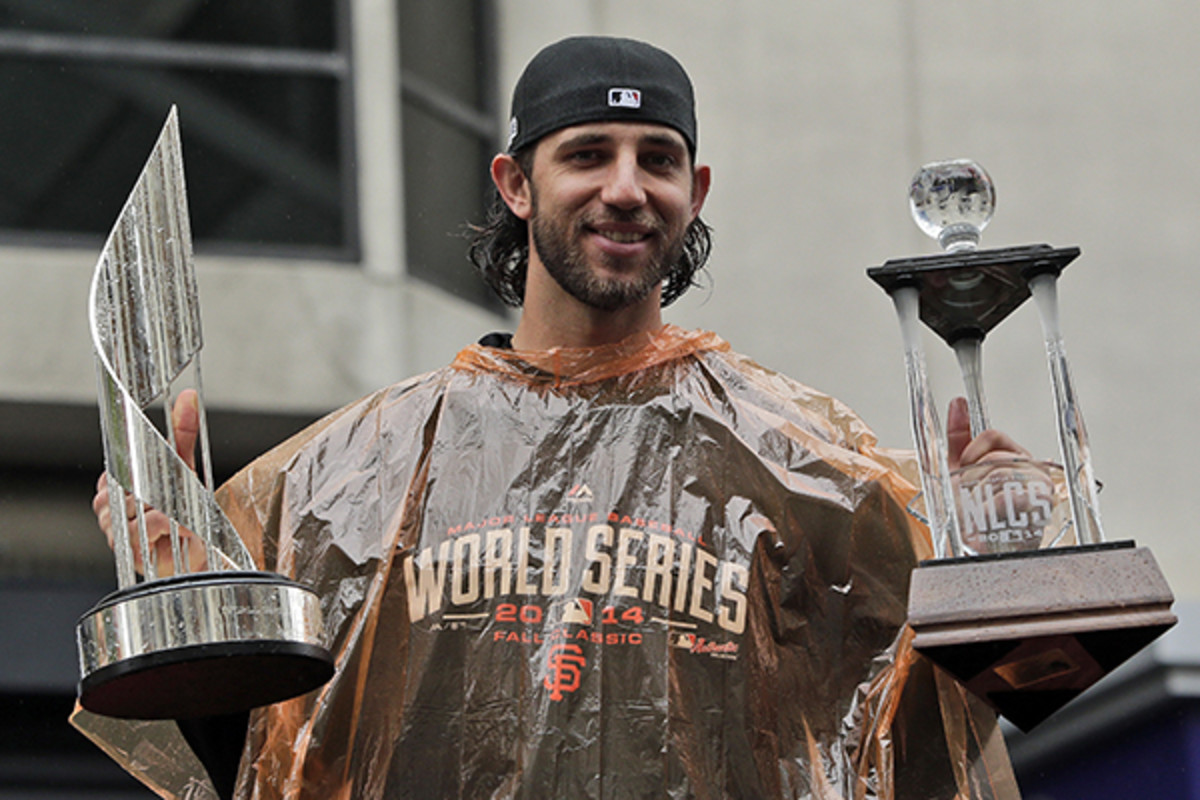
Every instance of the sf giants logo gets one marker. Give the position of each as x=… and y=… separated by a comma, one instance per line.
x=565, y=663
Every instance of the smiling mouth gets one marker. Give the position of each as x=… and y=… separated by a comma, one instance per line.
x=623, y=237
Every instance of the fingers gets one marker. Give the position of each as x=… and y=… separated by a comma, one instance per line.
x=158, y=535
x=100, y=500
x=158, y=527
x=185, y=420
x=101, y=509
x=991, y=445
x=958, y=431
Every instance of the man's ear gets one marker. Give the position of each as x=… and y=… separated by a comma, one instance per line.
x=513, y=185
x=701, y=180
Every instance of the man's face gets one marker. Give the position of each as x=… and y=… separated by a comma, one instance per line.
x=611, y=203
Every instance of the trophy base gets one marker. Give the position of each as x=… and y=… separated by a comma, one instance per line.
x=1029, y=632
x=201, y=645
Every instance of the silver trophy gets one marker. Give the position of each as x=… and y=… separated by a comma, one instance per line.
x=213, y=635
x=1025, y=602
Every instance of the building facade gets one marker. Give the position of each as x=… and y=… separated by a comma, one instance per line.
x=336, y=148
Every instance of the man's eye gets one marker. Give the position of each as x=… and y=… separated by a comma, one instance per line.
x=660, y=161
x=584, y=156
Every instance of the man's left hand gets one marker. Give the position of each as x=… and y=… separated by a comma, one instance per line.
x=991, y=445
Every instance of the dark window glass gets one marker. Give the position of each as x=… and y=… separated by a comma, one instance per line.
x=443, y=44
x=265, y=159
x=449, y=136
x=444, y=172
x=305, y=24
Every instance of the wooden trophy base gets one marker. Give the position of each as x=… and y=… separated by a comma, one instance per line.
x=1028, y=632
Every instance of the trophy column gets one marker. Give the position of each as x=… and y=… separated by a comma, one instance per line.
x=207, y=633
x=1024, y=602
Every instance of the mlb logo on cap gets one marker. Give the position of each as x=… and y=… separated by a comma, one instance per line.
x=625, y=98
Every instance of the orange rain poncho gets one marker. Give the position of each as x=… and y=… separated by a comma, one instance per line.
x=654, y=569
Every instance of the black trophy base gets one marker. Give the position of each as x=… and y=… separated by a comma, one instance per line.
x=1029, y=632
x=201, y=645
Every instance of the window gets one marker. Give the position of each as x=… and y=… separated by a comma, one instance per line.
x=449, y=134
x=263, y=96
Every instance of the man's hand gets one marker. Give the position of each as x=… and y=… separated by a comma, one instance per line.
x=185, y=419
x=991, y=445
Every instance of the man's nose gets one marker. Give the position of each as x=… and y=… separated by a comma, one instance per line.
x=623, y=184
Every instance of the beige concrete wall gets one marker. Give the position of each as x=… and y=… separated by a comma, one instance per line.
x=814, y=116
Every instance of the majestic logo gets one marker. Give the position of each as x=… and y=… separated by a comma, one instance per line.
x=565, y=663
x=625, y=98
x=512, y=131
x=580, y=493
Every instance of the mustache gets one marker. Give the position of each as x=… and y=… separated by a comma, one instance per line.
x=616, y=216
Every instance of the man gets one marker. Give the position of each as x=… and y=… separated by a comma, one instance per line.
x=606, y=558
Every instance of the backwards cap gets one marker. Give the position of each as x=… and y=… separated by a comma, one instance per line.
x=600, y=78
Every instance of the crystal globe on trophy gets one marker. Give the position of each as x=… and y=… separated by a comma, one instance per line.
x=952, y=201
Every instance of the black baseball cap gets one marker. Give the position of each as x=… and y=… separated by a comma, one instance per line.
x=600, y=78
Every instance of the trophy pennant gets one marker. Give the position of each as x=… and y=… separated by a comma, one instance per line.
x=145, y=322
x=200, y=637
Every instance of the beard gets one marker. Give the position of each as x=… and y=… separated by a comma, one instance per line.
x=559, y=243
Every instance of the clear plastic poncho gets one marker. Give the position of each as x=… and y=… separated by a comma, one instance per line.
x=648, y=570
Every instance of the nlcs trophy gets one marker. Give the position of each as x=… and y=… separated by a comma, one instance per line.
x=1024, y=602
x=195, y=642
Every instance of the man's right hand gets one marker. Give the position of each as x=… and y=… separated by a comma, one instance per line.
x=185, y=419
